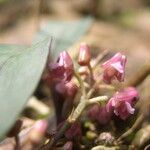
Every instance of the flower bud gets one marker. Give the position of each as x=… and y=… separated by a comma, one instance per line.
x=114, y=68
x=38, y=131
x=60, y=87
x=74, y=131
x=68, y=146
x=84, y=55
x=68, y=89
x=122, y=102
x=56, y=72
x=71, y=89
x=100, y=114
x=65, y=60
x=62, y=69
x=60, y=73
x=105, y=138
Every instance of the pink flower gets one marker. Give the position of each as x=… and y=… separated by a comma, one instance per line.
x=68, y=89
x=114, y=68
x=63, y=68
x=38, y=131
x=65, y=60
x=59, y=80
x=100, y=114
x=84, y=55
x=56, y=72
x=122, y=102
x=71, y=89
x=60, y=88
x=106, y=138
x=41, y=126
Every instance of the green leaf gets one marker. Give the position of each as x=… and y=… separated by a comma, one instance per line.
x=21, y=67
x=20, y=71
x=64, y=33
x=7, y=51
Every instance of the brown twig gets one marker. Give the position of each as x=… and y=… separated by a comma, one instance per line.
x=96, y=61
x=91, y=91
x=91, y=74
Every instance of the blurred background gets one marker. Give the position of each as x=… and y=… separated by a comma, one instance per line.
x=118, y=25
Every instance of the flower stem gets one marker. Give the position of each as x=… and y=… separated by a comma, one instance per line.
x=81, y=83
x=98, y=59
x=132, y=129
x=91, y=73
x=99, y=99
x=74, y=116
x=71, y=119
x=61, y=133
x=78, y=111
x=91, y=91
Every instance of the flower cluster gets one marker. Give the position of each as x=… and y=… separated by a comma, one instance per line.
x=64, y=89
x=121, y=104
x=114, y=68
x=61, y=73
x=123, y=101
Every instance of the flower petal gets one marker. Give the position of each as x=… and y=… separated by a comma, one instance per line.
x=129, y=108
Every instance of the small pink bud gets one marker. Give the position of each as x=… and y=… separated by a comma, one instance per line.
x=62, y=69
x=60, y=87
x=56, y=72
x=114, y=68
x=100, y=114
x=84, y=55
x=60, y=73
x=38, y=131
x=68, y=89
x=65, y=60
x=40, y=126
x=93, y=112
x=68, y=146
x=74, y=131
x=71, y=89
x=104, y=117
x=122, y=102
x=105, y=138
